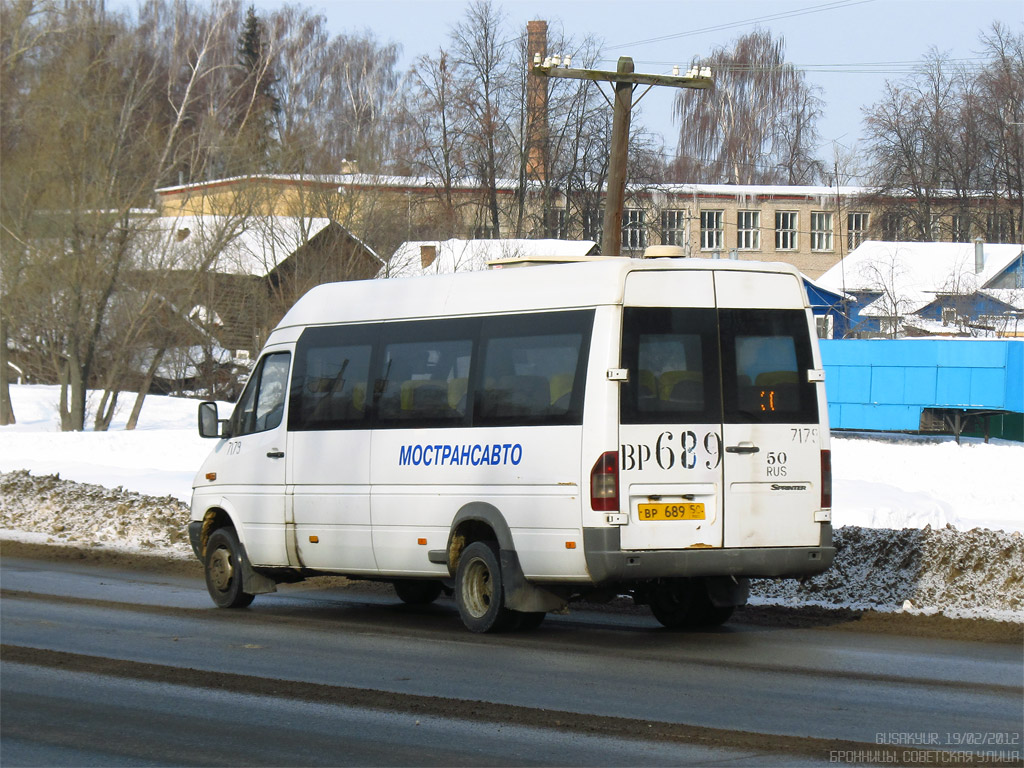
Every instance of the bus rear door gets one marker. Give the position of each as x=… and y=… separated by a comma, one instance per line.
x=670, y=456
x=772, y=431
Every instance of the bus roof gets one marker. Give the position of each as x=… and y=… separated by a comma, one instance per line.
x=559, y=286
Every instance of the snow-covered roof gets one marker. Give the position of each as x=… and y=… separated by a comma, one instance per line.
x=1012, y=297
x=915, y=273
x=376, y=180
x=817, y=284
x=471, y=255
x=758, y=190
x=252, y=245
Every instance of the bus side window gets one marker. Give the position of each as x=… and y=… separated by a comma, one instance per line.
x=533, y=368
x=332, y=369
x=424, y=367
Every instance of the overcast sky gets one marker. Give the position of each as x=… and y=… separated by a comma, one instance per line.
x=847, y=47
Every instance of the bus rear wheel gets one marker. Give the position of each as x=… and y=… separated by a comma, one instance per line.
x=671, y=601
x=479, y=591
x=222, y=567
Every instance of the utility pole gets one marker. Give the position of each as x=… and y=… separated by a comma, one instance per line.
x=625, y=80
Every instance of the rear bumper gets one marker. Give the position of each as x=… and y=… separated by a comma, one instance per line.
x=608, y=563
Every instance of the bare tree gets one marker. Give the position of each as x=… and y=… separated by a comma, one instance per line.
x=886, y=277
x=439, y=124
x=481, y=52
x=949, y=137
x=1001, y=97
x=757, y=125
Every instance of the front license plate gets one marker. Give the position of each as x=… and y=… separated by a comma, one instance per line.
x=681, y=511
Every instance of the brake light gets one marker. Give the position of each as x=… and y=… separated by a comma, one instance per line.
x=826, y=479
x=604, y=483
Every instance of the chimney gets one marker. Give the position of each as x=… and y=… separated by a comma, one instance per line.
x=536, y=103
x=427, y=255
x=979, y=255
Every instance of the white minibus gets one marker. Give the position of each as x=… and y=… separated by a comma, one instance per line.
x=528, y=437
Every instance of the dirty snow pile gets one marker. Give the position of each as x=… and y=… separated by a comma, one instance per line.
x=65, y=512
x=921, y=525
x=968, y=574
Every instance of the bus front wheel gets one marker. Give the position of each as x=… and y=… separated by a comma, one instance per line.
x=222, y=566
x=479, y=591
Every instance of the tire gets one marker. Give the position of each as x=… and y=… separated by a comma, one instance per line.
x=479, y=591
x=671, y=601
x=417, y=592
x=223, y=572
x=703, y=612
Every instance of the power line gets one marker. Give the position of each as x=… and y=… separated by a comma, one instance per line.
x=836, y=4
x=858, y=68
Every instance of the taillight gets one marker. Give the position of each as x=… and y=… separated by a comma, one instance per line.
x=826, y=479
x=604, y=483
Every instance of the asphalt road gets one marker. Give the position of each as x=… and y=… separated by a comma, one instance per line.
x=109, y=666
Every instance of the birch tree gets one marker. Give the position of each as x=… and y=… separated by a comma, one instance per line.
x=756, y=125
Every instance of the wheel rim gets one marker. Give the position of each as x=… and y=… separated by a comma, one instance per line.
x=221, y=568
x=478, y=588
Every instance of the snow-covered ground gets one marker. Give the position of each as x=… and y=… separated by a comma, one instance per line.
x=922, y=525
x=906, y=483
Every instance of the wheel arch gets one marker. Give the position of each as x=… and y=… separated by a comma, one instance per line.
x=480, y=521
x=216, y=516
x=476, y=521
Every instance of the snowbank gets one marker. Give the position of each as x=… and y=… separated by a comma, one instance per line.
x=158, y=458
x=973, y=574
x=905, y=483
x=922, y=525
x=966, y=574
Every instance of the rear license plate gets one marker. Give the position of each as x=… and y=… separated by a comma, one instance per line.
x=680, y=511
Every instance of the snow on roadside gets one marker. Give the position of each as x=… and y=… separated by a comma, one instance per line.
x=972, y=574
x=55, y=511
x=909, y=482
x=967, y=574
x=897, y=507
x=158, y=458
x=913, y=482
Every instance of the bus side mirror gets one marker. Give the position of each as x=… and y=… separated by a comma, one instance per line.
x=209, y=424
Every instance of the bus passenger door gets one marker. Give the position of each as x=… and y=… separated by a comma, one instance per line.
x=329, y=451
x=670, y=433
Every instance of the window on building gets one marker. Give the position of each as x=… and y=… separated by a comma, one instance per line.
x=554, y=223
x=673, y=227
x=824, y=325
x=999, y=229
x=711, y=230
x=856, y=229
x=935, y=228
x=785, y=230
x=961, y=228
x=821, y=231
x=483, y=232
x=748, y=230
x=634, y=233
x=892, y=227
x=593, y=224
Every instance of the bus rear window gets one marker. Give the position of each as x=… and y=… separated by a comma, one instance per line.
x=672, y=358
x=765, y=358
